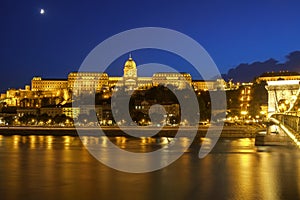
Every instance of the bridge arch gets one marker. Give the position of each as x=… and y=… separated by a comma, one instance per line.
x=282, y=95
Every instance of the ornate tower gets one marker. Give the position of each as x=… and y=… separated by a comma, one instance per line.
x=130, y=70
x=130, y=74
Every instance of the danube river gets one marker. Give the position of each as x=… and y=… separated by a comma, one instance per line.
x=59, y=167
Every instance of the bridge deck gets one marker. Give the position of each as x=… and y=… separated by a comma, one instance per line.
x=289, y=124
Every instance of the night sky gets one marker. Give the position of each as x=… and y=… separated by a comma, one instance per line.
x=54, y=44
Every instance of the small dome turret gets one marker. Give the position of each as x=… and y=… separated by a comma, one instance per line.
x=130, y=64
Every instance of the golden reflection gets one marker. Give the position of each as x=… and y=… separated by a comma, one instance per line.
x=205, y=143
x=84, y=140
x=207, y=165
x=241, y=171
x=165, y=140
x=151, y=140
x=185, y=142
x=104, y=141
x=1, y=140
x=121, y=141
x=49, y=140
x=246, y=173
x=267, y=174
x=32, y=139
x=24, y=139
x=90, y=140
x=298, y=170
x=143, y=140
x=97, y=140
x=41, y=139
x=245, y=142
x=68, y=141
x=244, y=145
x=16, y=140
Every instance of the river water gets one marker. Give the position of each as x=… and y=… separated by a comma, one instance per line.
x=54, y=167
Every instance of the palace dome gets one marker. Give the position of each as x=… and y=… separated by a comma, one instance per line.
x=130, y=64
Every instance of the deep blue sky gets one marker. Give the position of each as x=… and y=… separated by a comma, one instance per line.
x=56, y=43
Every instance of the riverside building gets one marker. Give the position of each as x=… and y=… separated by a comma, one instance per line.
x=55, y=91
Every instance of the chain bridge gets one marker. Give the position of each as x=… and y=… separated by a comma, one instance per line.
x=284, y=107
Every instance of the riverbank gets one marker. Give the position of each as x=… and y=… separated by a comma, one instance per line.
x=227, y=131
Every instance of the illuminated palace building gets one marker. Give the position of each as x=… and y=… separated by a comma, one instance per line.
x=60, y=90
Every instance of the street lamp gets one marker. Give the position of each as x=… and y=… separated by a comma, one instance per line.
x=244, y=113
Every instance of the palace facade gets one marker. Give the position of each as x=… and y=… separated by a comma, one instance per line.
x=54, y=91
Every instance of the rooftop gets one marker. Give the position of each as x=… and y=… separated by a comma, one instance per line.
x=280, y=73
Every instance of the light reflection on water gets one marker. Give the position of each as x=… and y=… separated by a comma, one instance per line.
x=60, y=167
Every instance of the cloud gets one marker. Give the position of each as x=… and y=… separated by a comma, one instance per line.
x=247, y=72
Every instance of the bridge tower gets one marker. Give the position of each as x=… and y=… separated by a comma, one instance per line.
x=282, y=95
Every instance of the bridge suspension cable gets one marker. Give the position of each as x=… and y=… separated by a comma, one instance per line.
x=294, y=102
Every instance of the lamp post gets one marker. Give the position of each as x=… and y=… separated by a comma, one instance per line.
x=244, y=113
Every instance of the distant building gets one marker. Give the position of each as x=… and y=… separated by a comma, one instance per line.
x=39, y=84
x=245, y=98
x=115, y=82
x=202, y=85
x=130, y=74
x=144, y=83
x=67, y=110
x=179, y=80
x=275, y=76
x=71, y=111
x=92, y=109
x=86, y=82
x=131, y=81
x=20, y=97
x=59, y=91
x=27, y=111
